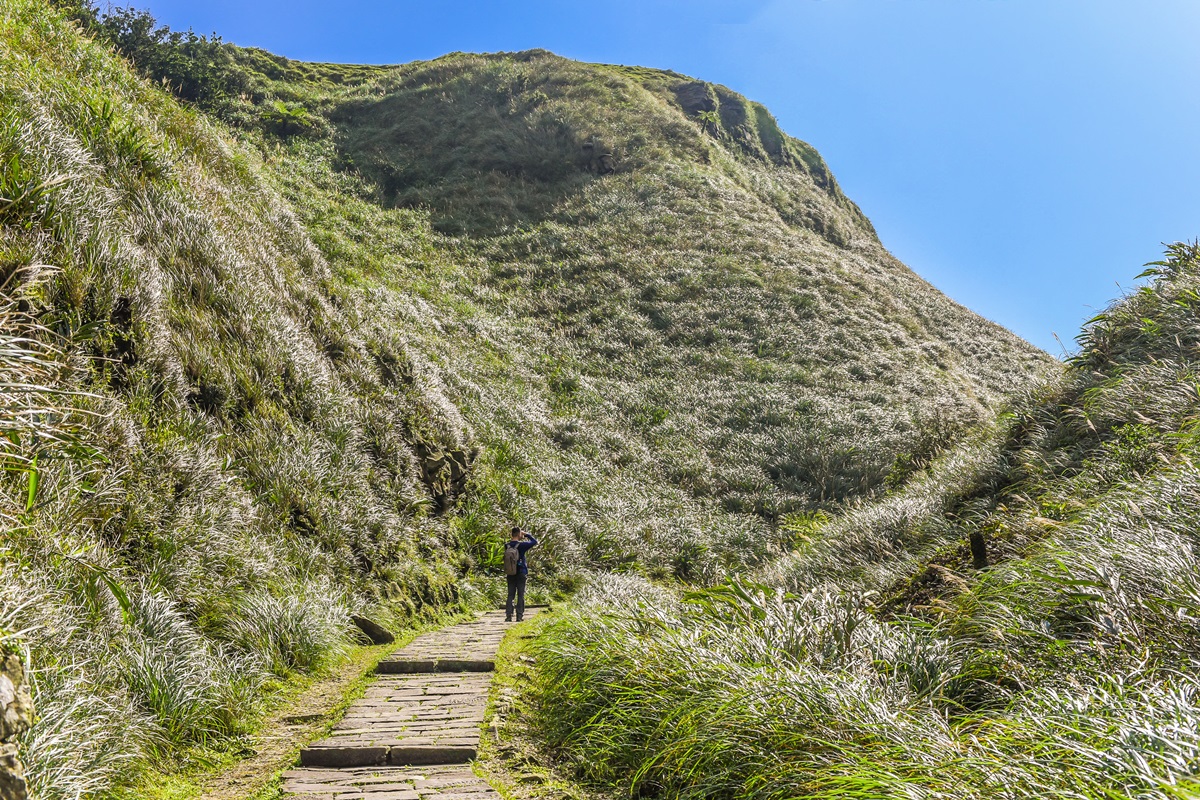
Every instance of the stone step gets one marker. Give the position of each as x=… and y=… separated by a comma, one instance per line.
x=386, y=783
x=466, y=647
x=398, y=666
x=403, y=755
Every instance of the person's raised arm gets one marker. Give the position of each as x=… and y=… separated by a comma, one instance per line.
x=529, y=543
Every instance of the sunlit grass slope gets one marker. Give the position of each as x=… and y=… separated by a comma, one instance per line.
x=242, y=473
x=875, y=661
x=310, y=356
x=658, y=310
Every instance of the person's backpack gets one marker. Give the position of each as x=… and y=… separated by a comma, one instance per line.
x=512, y=558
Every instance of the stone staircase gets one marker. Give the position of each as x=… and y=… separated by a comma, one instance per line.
x=415, y=732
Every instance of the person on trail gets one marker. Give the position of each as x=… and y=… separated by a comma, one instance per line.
x=517, y=571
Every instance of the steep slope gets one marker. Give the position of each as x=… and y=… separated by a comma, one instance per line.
x=313, y=363
x=898, y=668
x=214, y=472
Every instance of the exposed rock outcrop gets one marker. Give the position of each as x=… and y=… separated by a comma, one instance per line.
x=16, y=716
x=444, y=471
x=373, y=630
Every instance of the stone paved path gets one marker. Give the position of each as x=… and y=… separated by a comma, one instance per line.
x=413, y=733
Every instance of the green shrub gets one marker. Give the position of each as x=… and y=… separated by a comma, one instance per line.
x=196, y=68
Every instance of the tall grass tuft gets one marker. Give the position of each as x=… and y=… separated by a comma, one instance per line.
x=195, y=690
x=301, y=631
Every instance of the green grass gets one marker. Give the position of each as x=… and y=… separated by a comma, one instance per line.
x=513, y=762
x=750, y=694
x=717, y=360
x=218, y=478
x=308, y=346
x=875, y=660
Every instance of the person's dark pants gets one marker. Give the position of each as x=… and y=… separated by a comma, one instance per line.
x=516, y=588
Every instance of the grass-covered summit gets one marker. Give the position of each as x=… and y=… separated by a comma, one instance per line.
x=488, y=142
x=305, y=349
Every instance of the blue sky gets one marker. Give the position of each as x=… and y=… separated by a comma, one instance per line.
x=1025, y=156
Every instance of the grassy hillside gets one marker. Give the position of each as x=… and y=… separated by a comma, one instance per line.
x=242, y=474
x=672, y=356
x=875, y=660
x=305, y=353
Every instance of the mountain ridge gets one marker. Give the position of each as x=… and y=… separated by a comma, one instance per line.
x=683, y=193
x=724, y=113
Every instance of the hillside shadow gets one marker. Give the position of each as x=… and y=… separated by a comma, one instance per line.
x=480, y=155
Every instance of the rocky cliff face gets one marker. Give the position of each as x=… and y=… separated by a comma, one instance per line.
x=16, y=716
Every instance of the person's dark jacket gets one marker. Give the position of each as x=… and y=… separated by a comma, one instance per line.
x=523, y=546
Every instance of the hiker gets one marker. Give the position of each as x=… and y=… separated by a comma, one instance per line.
x=516, y=570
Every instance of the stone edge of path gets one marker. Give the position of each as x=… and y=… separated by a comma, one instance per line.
x=390, y=666
x=386, y=755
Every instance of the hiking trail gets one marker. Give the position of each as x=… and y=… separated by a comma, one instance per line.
x=417, y=728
